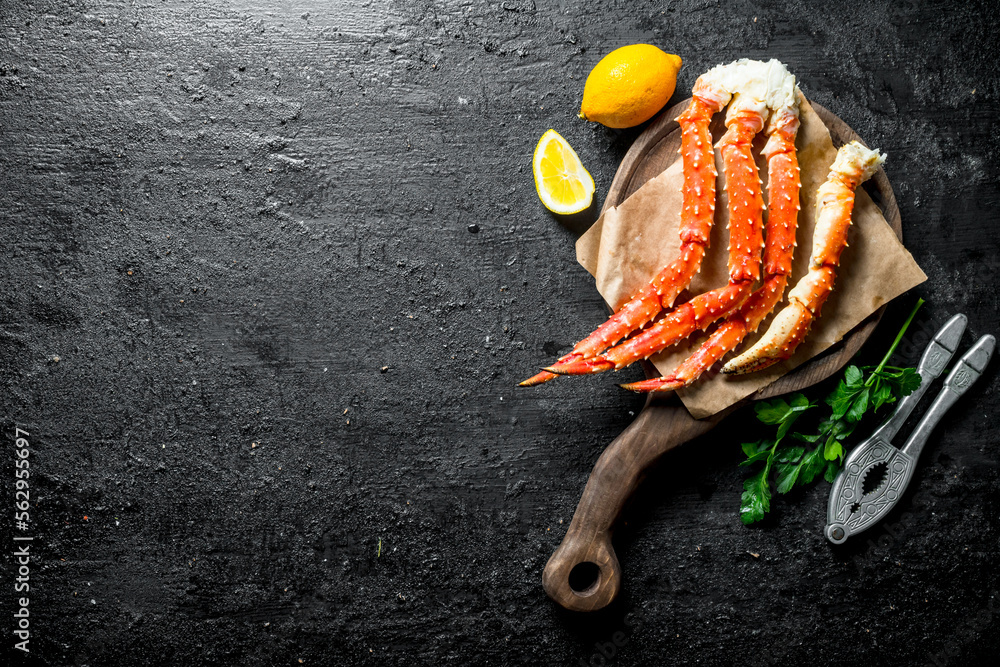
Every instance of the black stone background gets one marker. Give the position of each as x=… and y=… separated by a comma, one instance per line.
x=268, y=372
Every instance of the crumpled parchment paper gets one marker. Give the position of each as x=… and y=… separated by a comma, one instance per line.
x=630, y=243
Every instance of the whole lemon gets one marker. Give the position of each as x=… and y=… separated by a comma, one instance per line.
x=629, y=86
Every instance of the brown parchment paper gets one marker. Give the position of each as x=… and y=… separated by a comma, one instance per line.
x=630, y=243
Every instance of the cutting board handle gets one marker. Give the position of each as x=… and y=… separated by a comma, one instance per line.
x=658, y=428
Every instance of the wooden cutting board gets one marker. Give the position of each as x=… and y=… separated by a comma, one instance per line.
x=583, y=574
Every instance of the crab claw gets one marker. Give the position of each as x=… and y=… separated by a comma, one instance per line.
x=581, y=366
x=654, y=385
x=787, y=331
x=545, y=376
x=537, y=379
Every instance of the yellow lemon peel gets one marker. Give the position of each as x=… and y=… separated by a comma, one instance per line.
x=629, y=85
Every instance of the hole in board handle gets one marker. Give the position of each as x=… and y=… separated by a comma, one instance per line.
x=584, y=577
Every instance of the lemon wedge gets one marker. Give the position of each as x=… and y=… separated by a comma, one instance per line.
x=563, y=185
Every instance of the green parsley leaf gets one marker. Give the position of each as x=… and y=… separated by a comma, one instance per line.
x=843, y=396
x=786, y=425
x=756, y=451
x=853, y=376
x=859, y=404
x=756, y=498
x=800, y=401
x=782, y=413
x=881, y=396
x=772, y=412
x=833, y=450
x=909, y=382
x=811, y=464
x=790, y=454
x=788, y=474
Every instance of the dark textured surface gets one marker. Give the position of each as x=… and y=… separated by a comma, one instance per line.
x=268, y=371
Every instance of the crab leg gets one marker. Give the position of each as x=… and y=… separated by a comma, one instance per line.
x=853, y=165
x=746, y=208
x=783, y=207
x=756, y=87
x=697, y=212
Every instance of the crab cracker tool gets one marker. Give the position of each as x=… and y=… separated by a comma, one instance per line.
x=852, y=509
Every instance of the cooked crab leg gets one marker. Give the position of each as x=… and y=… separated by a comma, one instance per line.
x=746, y=118
x=853, y=165
x=783, y=186
x=746, y=207
x=697, y=212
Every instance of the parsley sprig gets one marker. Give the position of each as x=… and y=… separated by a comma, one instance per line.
x=861, y=392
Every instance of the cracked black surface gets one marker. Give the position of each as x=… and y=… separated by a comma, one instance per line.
x=268, y=372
